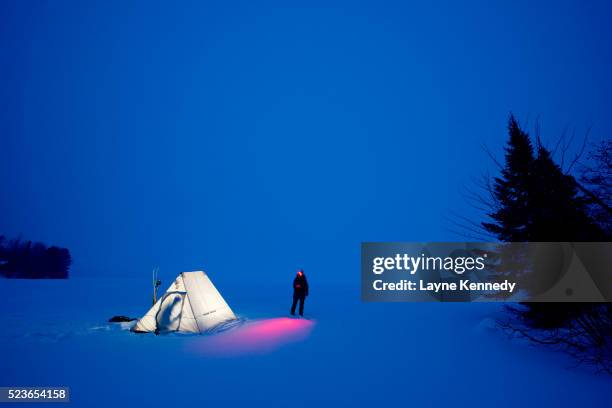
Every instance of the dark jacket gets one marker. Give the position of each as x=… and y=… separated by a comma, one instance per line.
x=300, y=286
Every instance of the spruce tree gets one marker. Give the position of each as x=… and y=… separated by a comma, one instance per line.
x=511, y=189
x=558, y=212
x=536, y=202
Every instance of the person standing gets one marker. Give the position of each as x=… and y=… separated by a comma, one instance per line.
x=300, y=291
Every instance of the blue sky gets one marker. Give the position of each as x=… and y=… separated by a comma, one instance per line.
x=252, y=138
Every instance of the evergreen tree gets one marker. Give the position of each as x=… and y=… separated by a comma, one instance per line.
x=511, y=189
x=535, y=201
x=558, y=212
x=28, y=260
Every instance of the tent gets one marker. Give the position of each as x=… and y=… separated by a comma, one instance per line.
x=191, y=304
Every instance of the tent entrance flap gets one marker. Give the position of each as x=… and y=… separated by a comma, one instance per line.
x=170, y=311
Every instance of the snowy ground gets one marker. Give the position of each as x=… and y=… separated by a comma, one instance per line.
x=348, y=353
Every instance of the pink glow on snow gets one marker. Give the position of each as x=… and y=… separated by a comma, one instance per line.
x=257, y=337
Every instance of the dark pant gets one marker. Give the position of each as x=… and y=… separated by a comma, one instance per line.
x=301, y=298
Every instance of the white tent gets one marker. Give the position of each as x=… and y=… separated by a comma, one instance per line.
x=191, y=304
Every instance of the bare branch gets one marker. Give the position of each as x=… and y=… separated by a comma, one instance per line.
x=491, y=156
x=477, y=231
x=562, y=137
x=581, y=151
x=464, y=235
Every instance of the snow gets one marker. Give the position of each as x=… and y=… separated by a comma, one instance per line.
x=346, y=353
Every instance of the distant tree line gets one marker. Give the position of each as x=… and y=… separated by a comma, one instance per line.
x=534, y=199
x=33, y=260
